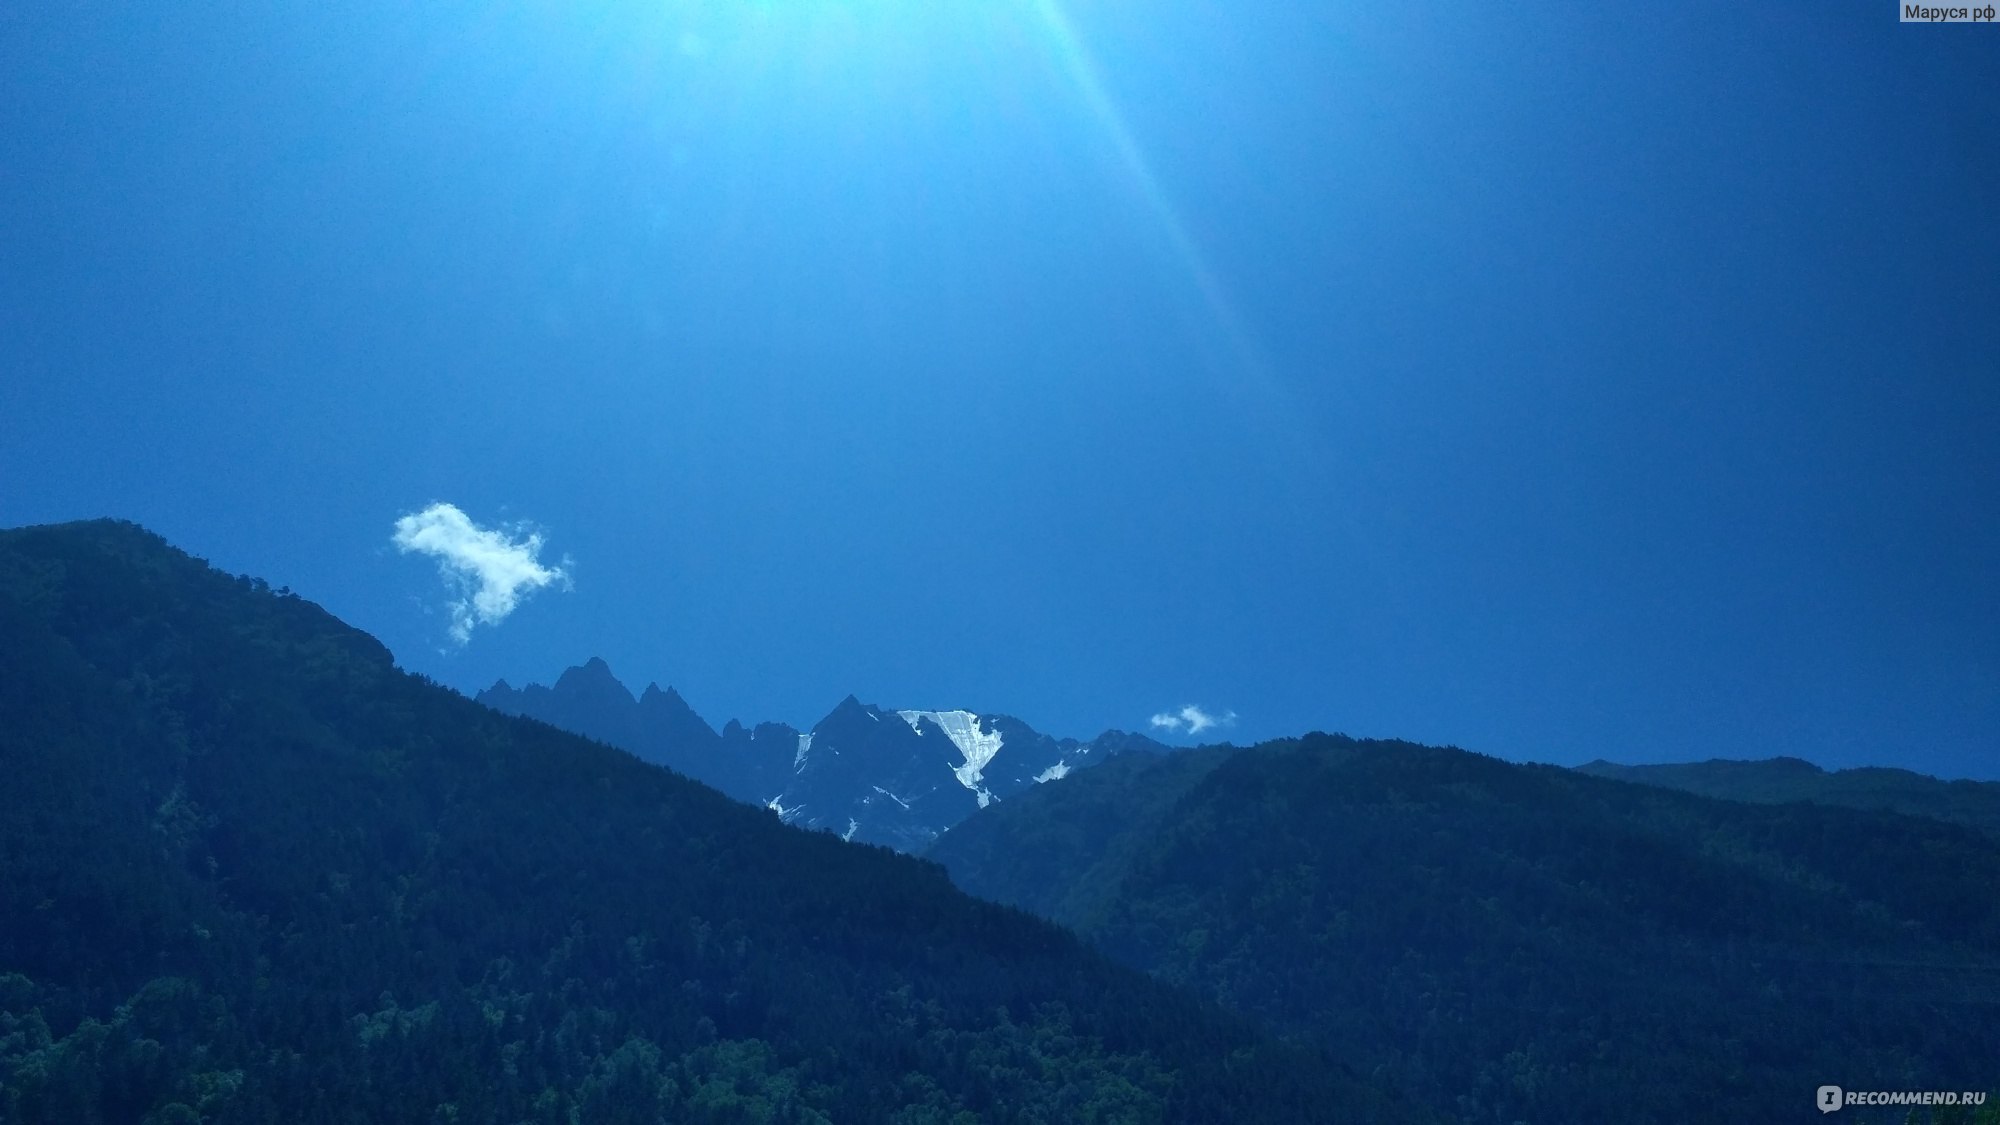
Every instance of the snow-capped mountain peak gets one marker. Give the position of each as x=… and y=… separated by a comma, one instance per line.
x=852, y=774
x=976, y=745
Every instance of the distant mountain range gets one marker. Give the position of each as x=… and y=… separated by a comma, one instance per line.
x=1515, y=943
x=256, y=875
x=895, y=778
x=1975, y=804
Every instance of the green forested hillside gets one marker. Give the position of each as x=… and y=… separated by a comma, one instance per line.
x=1975, y=804
x=250, y=872
x=1065, y=857
x=1518, y=943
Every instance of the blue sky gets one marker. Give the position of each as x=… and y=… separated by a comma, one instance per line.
x=1557, y=381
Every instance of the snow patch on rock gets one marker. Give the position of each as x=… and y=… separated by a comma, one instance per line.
x=976, y=745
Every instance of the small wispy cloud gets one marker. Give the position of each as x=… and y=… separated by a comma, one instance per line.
x=1192, y=720
x=488, y=570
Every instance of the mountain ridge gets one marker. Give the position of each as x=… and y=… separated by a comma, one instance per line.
x=1514, y=942
x=256, y=873
x=900, y=778
x=1974, y=804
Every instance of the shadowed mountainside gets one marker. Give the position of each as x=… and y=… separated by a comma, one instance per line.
x=1525, y=943
x=1975, y=804
x=254, y=873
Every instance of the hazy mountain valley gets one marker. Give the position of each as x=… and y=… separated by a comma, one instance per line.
x=255, y=873
x=1498, y=942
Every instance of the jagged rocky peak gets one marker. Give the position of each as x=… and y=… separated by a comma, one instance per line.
x=593, y=680
x=852, y=708
x=664, y=695
x=668, y=702
x=899, y=778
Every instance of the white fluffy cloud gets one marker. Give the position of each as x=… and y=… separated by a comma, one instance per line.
x=488, y=570
x=1192, y=720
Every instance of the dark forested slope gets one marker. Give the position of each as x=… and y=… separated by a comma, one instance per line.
x=253, y=873
x=1975, y=804
x=1516, y=943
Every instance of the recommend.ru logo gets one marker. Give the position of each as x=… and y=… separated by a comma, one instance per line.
x=1830, y=1098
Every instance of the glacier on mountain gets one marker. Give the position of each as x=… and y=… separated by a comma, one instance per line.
x=976, y=745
